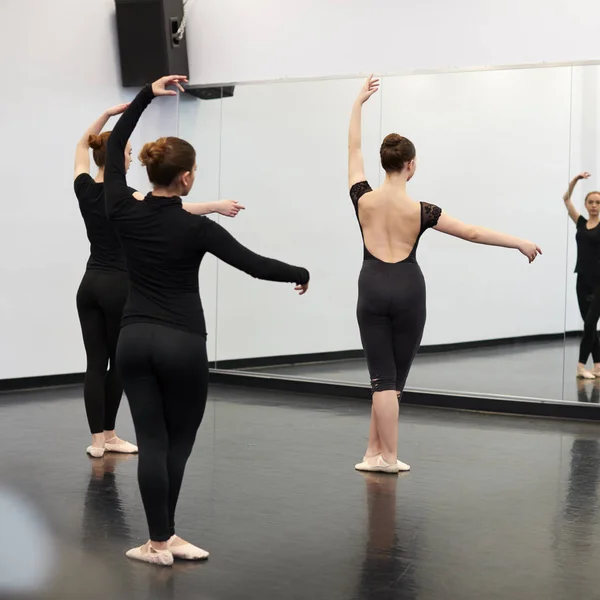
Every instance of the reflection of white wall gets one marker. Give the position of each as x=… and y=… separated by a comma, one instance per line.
x=284, y=156
x=200, y=124
x=237, y=40
x=585, y=156
x=58, y=85
x=493, y=149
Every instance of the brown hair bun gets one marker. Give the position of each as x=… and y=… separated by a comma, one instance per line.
x=98, y=144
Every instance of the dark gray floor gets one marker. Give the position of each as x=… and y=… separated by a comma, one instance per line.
x=535, y=370
x=501, y=508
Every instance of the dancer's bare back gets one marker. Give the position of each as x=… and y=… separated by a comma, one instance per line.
x=391, y=223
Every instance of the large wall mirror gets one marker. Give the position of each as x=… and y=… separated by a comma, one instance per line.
x=495, y=148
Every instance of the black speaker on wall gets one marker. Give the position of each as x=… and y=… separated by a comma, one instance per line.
x=149, y=46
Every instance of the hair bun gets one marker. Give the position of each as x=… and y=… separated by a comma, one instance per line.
x=95, y=142
x=153, y=152
x=392, y=140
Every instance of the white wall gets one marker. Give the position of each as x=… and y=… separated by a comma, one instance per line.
x=60, y=64
x=60, y=68
x=237, y=40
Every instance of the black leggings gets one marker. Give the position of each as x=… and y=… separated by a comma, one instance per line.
x=165, y=373
x=391, y=316
x=100, y=300
x=588, y=297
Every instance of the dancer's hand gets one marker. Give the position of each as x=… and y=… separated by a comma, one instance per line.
x=228, y=208
x=159, y=87
x=302, y=288
x=370, y=86
x=530, y=250
x=584, y=175
x=117, y=110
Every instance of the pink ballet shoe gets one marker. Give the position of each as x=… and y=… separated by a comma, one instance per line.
x=120, y=446
x=583, y=373
x=95, y=452
x=402, y=467
x=379, y=466
x=148, y=554
x=186, y=551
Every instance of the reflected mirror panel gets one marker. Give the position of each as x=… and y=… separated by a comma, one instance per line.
x=284, y=156
x=585, y=133
x=493, y=150
x=200, y=125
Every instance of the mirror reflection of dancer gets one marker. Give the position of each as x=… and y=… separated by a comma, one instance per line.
x=391, y=288
x=588, y=275
x=161, y=353
x=102, y=292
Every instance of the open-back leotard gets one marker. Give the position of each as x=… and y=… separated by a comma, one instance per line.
x=391, y=306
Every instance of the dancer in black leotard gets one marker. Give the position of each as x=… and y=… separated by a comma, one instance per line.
x=162, y=347
x=102, y=293
x=588, y=275
x=391, y=288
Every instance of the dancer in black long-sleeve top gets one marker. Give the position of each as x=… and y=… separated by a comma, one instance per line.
x=588, y=275
x=102, y=292
x=161, y=353
x=391, y=288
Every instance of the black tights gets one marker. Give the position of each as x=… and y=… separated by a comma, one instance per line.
x=165, y=373
x=391, y=317
x=588, y=297
x=100, y=300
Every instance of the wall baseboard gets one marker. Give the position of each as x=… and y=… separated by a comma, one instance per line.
x=520, y=406
x=319, y=357
x=45, y=381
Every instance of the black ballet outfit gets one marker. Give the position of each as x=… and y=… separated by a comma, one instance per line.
x=391, y=307
x=161, y=353
x=588, y=288
x=100, y=300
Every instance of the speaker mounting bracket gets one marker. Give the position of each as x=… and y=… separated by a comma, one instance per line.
x=207, y=92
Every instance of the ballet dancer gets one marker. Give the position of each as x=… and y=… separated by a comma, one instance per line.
x=161, y=353
x=391, y=288
x=104, y=287
x=102, y=292
x=588, y=275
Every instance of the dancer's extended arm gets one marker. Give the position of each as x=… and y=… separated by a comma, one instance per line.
x=481, y=235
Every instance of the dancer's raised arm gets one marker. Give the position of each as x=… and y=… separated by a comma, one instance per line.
x=573, y=212
x=82, y=151
x=356, y=168
x=114, y=175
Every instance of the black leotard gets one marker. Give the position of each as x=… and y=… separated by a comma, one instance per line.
x=391, y=307
x=588, y=288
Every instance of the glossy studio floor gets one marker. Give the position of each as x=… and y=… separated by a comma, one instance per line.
x=496, y=507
